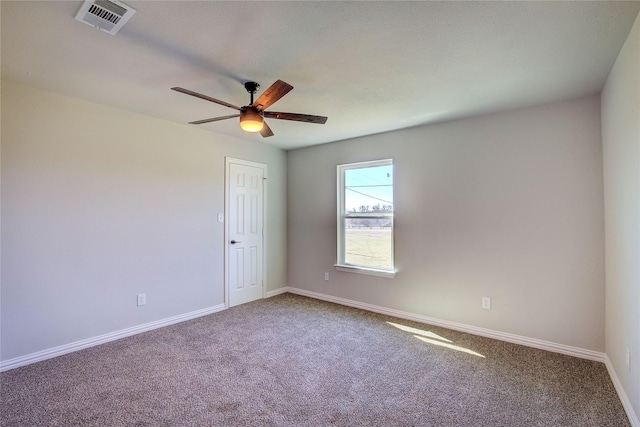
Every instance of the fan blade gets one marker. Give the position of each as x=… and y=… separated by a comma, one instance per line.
x=266, y=130
x=205, y=97
x=271, y=95
x=215, y=119
x=308, y=118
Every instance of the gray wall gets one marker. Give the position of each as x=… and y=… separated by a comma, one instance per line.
x=621, y=152
x=99, y=204
x=507, y=205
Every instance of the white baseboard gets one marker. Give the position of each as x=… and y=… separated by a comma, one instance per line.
x=626, y=403
x=101, y=339
x=502, y=336
x=275, y=292
x=112, y=336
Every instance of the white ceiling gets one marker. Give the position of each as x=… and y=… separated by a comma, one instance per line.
x=369, y=66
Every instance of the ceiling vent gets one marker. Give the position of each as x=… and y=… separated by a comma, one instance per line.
x=106, y=15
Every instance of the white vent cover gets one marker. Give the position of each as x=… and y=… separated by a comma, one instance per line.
x=106, y=15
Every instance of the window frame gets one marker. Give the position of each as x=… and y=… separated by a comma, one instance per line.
x=342, y=215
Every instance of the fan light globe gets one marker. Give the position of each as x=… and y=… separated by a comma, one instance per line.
x=251, y=121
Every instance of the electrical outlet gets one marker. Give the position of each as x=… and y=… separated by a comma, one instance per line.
x=628, y=359
x=142, y=299
x=326, y=276
x=486, y=303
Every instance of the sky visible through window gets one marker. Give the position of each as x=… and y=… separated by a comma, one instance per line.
x=370, y=187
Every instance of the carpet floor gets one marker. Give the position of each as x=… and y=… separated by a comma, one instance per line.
x=295, y=361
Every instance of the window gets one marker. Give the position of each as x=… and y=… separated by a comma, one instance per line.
x=365, y=218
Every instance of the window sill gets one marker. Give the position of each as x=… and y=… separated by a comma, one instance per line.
x=363, y=270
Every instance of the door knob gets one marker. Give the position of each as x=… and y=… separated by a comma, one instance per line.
x=233, y=242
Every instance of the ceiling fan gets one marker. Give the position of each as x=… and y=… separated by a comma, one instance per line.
x=252, y=116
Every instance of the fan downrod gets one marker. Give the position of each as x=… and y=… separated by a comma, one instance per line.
x=252, y=88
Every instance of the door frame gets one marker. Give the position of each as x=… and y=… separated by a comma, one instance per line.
x=228, y=161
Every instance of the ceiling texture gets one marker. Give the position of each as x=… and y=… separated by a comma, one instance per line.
x=370, y=67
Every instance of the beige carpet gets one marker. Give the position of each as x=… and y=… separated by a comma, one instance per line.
x=295, y=361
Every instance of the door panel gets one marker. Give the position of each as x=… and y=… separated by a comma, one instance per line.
x=245, y=233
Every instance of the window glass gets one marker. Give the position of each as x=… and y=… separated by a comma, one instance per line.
x=365, y=234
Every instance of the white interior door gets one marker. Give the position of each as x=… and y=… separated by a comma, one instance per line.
x=245, y=219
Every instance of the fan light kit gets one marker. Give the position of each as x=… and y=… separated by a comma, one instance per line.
x=251, y=121
x=252, y=116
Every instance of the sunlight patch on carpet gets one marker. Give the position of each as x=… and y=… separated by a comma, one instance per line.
x=447, y=345
x=432, y=338
x=417, y=331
